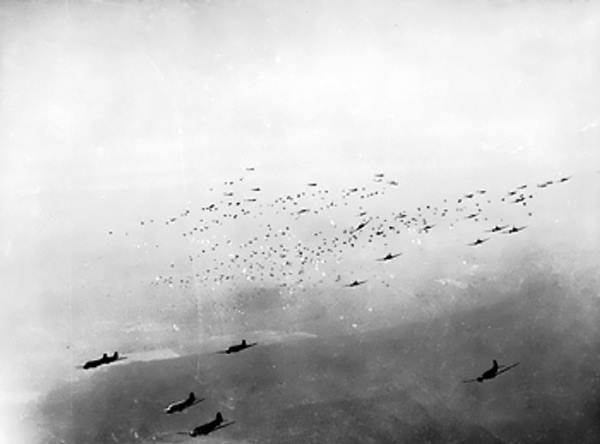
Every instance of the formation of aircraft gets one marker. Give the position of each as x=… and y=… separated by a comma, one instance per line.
x=191, y=400
x=291, y=256
x=276, y=252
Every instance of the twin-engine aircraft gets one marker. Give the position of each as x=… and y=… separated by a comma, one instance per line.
x=492, y=372
x=238, y=347
x=209, y=427
x=180, y=406
x=104, y=360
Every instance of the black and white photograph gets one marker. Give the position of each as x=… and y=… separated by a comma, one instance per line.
x=299, y=222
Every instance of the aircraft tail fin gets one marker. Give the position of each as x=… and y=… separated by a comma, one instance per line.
x=219, y=417
x=192, y=396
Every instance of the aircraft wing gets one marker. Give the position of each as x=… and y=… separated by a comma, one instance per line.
x=180, y=407
x=222, y=426
x=507, y=368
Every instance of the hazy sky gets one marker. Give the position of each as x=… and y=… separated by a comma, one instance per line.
x=113, y=111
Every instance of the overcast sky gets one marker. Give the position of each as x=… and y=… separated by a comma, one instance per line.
x=112, y=111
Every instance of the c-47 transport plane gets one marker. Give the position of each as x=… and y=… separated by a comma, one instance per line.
x=105, y=359
x=180, y=406
x=209, y=427
x=238, y=347
x=492, y=372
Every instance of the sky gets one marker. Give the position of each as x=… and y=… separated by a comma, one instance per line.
x=113, y=112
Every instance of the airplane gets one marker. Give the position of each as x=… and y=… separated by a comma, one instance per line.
x=515, y=229
x=497, y=228
x=355, y=283
x=426, y=228
x=238, y=347
x=471, y=216
x=478, y=242
x=361, y=226
x=521, y=187
x=180, y=406
x=389, y=257
x=209, y=427
x=564, y=179
x=105, y=359
x=493, y=372
x=312, y=184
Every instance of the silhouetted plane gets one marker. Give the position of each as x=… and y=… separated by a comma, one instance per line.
x=105, y=359
x=426, y=228
x=180, y=406
x=564, y=179
x=361, y=226
x=209, y=427
x=312, y=184
x=238, y=347
x=497, y=228
x=389, y=257
x=515, y=229
x=493, y=372
x=355, y=283
x=478, y=242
